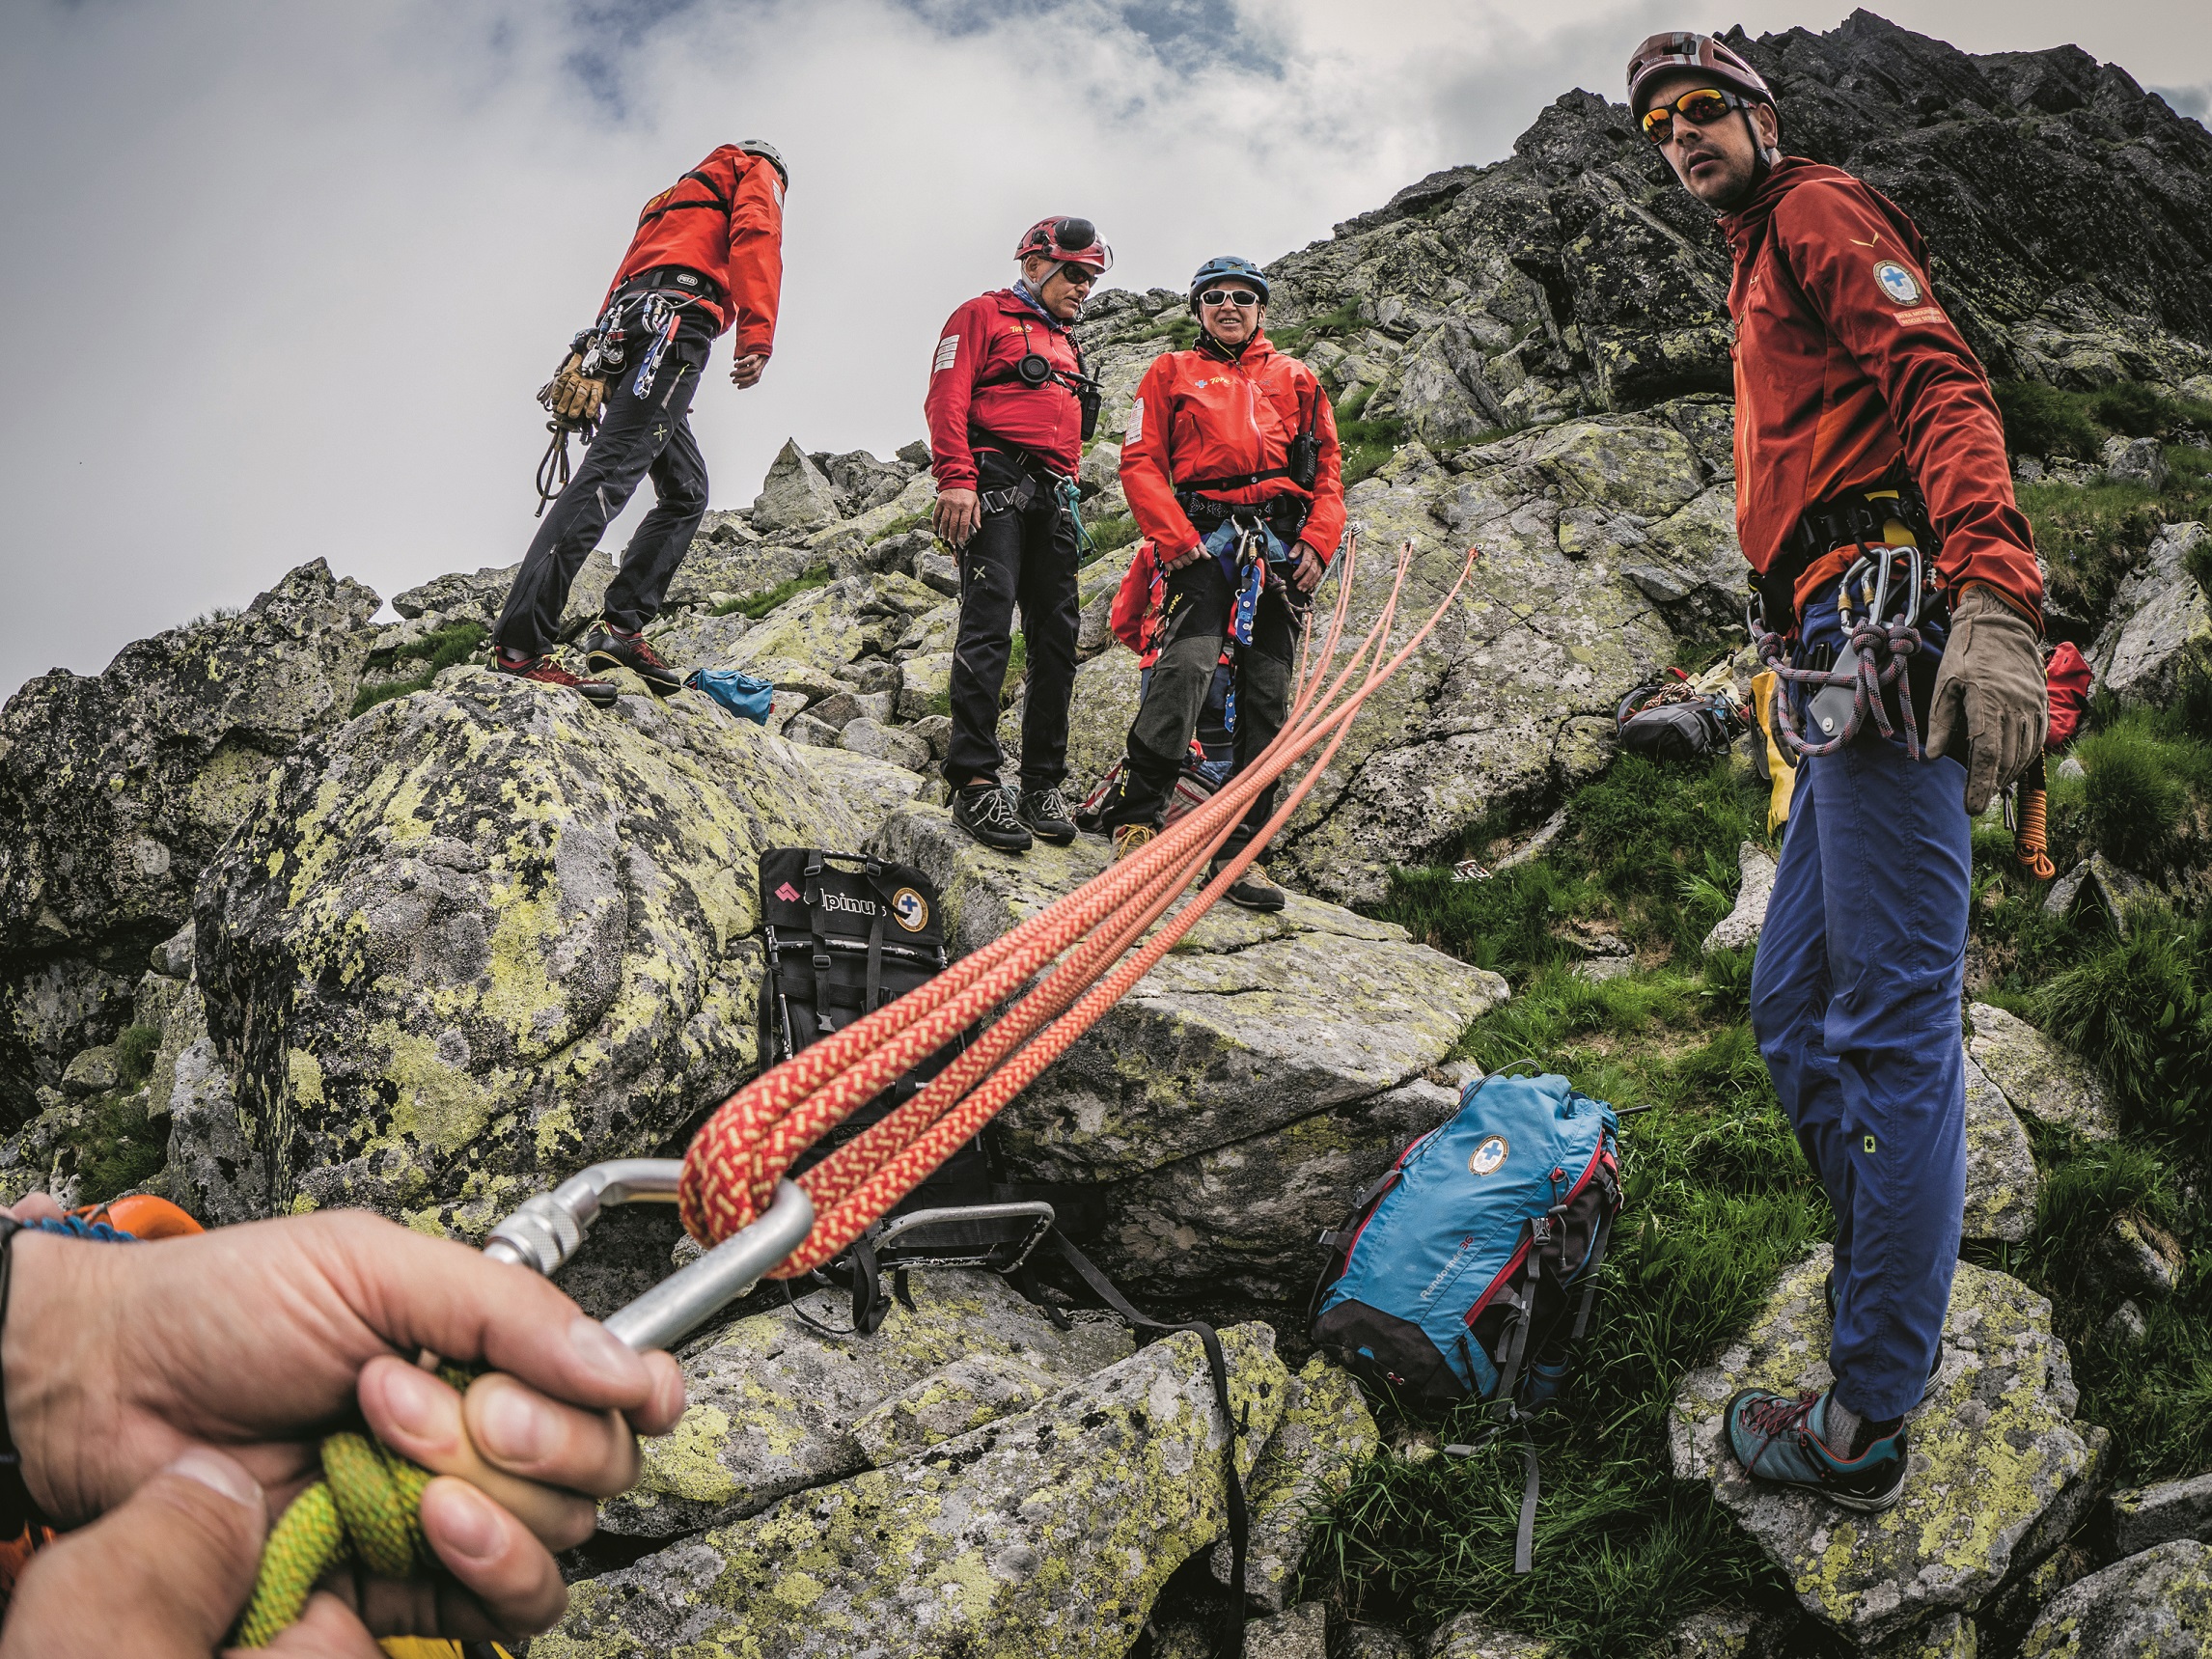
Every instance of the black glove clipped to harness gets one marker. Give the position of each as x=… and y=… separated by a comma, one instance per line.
x=1991, y=707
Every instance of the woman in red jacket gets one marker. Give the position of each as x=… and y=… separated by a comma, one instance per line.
x=1231, y=468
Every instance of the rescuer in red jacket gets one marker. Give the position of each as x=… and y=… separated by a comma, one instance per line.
x=707, y=254
x=1867, y=441
x=1009, y=406
x=1231, y=468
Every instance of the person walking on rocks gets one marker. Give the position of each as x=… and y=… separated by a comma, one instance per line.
x=707, y=257
x=1232, y=467
x=1863, y=420
x=1009, y=406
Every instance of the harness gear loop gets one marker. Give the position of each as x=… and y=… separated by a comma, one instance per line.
x=1873, y=659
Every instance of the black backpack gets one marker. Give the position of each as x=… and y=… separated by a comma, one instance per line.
x=1657, y=720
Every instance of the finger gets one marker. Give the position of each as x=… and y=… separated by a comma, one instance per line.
x=164, y=1573
x=1944, y=714
x=665, y=1410
x=492, y=1555
x=420, y=1418
x=327, y=1630
x=1980, y=772
x=39, y=1207
x=520, y=1431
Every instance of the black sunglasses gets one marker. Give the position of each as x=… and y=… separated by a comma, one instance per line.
x=1078, y=276
x=1228, y=296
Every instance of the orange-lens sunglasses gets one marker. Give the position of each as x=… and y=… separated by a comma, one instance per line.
x=1700, y=108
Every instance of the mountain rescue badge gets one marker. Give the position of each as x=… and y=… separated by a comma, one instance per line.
x=1898, y=283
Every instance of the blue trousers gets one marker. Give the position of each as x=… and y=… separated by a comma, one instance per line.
x=1855, y=1002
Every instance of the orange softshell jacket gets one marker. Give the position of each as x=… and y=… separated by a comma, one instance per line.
x=975, y=394
x=724, y=219
x=1843, y=362
x=1198, y=416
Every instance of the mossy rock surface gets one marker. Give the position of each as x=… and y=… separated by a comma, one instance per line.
x=1998, y=1464
x=2037, y=1077
x=1326, y=1430
x=1044, y=1535
x=2156, y=1605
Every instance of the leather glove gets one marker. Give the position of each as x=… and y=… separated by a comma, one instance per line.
x=574, y=398
x=1990, y=701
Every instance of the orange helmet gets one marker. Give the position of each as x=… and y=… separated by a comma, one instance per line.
x=1069, y=240
x=1663, y=54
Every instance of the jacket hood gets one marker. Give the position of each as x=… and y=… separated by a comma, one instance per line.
x=1257, y=349
x=1744, y=227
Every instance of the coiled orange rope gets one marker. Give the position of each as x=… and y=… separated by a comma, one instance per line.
x=2031, y=844
x=754, y=1137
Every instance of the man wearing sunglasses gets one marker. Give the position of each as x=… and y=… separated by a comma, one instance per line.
x=1232, y=467
x=1862, y=418
x=1009, y=406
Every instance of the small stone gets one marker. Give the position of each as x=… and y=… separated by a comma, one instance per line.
x=922, y=682
x=2157, y=1603
x=173, y=956
x=92, y=1071
x=2127, y=1327
x=1950, y=1637
x=2072, y=768
x=914, y=454
x=2140, y=1259
x=1301, y=1633
x=2001, y=1183
x=1373, y=1641
x=2027, y=469
x=2147, y=1517
x=1468, y=1637
x=815, y=733
x=2160, y=622
x=1741, y=925
x=2039, y=1078
x=940, y=570
x=936, y=732
x=2138, y=460
x=1599, y=969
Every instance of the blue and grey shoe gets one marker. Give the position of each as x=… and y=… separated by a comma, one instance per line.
x=1777, y=1437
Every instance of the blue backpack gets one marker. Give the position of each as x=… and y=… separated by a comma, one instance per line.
x=739, y=693
x=1456, y=1273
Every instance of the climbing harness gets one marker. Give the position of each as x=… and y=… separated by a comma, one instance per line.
x=603, y=351
x=1078, y=957
x=1876, y=649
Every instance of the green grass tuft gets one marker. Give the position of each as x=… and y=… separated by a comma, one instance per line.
x=758, y=605
x=435, y=653
x=1110, y=534
x=134, y=1052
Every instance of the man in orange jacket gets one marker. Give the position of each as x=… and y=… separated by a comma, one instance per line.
x=707, y=254
x=1232, y=467
x=1009, y=406
x=1863, y=424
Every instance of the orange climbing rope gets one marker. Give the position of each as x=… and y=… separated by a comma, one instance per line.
x=753, y=1138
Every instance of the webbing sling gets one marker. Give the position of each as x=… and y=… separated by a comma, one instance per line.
x=719, y=200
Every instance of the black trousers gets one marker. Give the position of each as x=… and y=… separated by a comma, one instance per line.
x=1196, y=621
x=638, y=436
x=1025, y=554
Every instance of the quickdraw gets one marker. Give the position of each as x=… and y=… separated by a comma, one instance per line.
x=1876, y=650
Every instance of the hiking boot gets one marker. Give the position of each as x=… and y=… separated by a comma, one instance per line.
x=1777, y=1437
x=1130, y=839
x=607, y=647
x=546, y=671
x=1046, y=812
x=986, y=811
x=1254, y=890
x=1828, y=1289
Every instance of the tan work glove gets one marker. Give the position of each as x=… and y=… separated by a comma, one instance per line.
x=575, y=399
x=1990, y=700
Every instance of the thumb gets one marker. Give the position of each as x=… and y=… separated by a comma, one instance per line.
x=163, y=1574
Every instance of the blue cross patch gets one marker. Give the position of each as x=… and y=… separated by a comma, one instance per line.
x=1898, y=283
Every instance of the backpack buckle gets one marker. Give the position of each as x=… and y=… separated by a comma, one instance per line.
x=1540, y=1228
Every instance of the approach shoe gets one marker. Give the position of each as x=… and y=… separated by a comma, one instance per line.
x=1828, y=1289
x=1046, y=812
x=986, y=811
x=1129, y=839
x=607, y=647
x=1254, y=890
x=1777, y=1437
x=544, y=671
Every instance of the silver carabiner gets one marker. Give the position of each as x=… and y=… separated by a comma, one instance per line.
x=549, y=1228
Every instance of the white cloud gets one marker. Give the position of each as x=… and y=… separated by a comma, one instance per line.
x=280, y=280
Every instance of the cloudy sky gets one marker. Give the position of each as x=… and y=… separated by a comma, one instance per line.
x=279, y=280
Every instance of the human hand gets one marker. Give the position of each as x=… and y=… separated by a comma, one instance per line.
x=746, y=371
x=1991, y=703
x=1310, y=569
x=958, y=512
x=258, y=1340
x=1190, y=555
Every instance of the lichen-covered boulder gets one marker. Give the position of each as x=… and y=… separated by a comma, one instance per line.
x=2156, y=1605
x=1283, y=1017
x=2001, y=1178
x=1325, y=1432
x=795, y=495
x=2147, y=1516
x=2036, y=1076
x=776, y=1406
x=1044, y=1535
x=1994, y=1451
x=1741, y=925
x=487, y=934
x=118, y=787
x=1471, y=1637
x=2160, y=622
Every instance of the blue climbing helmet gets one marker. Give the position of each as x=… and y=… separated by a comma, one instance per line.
x=1223, y=265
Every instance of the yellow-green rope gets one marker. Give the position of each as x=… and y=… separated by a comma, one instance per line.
x=367, y=1504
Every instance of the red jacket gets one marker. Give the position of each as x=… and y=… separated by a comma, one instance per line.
x=1136, y=611
x=983, y=342
x=1198, y=416
x=1843, y=362
x=724, y=219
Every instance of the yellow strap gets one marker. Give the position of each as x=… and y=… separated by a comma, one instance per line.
x=1783, y=774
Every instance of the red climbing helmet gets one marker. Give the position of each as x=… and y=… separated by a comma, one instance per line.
x=1680, y=49
x=1069, y=240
